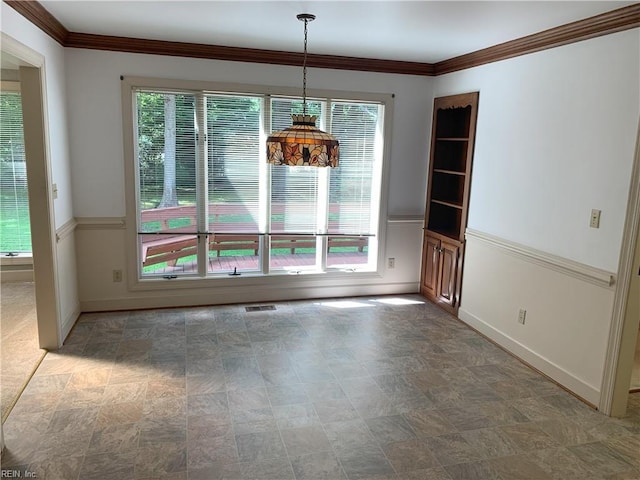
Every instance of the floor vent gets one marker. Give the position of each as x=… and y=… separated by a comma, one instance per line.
x=260, y=308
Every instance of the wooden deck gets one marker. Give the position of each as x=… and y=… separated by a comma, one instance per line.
x=251, y=263
x=167, y=243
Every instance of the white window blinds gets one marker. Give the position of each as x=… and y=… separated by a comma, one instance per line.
x=166, y=162
x=15, y=232
x=233, y=137
x=350, y=186
x=294, y=191
x=208, y=202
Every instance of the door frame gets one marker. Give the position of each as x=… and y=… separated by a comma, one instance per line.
x=41, y=212
x=624, y=323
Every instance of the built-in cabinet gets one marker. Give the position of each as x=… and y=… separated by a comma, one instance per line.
x=451, y=158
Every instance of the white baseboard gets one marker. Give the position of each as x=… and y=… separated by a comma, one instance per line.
x=69, y=322
x=583, y=390
x=244, y=296
x=15, y=276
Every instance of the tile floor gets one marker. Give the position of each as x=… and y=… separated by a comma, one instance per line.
x=349, y=389
x=20, y=352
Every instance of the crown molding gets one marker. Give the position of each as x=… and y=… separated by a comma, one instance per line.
x=41, y=18
x=237, y=54
x=604, y=24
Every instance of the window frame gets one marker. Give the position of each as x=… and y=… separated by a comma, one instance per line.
x=136, y=281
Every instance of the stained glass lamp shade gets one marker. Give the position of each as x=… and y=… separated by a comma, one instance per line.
x=303, y=144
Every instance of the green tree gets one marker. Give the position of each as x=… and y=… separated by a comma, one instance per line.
x=169, y=192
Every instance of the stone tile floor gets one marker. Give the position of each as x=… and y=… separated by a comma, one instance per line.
x=20, y=352
x=362, y=388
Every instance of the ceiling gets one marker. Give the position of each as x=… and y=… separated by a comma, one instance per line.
x=419, y=31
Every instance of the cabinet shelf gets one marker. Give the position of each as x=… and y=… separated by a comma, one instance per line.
x=450, y=156
x=449, y=172
x=452, y=139
x=447, y=204
x=445, y=233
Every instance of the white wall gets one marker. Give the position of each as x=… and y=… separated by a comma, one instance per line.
x=555, y=138
x=25, y=32
x=96, y=144
x=56, y=128
x=93, y=88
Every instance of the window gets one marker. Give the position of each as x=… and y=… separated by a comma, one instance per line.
x=15, y=229
x=209, y=205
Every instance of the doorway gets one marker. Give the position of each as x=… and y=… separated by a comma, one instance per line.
x=34, y=302
x=20, y=352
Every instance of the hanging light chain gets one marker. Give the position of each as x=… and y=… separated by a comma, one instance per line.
x=304, y=71
x=306, y=18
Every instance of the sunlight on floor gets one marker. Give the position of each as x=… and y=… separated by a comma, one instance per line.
x=345, y=304
x=398, y=301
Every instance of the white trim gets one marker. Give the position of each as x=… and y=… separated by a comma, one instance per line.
x=250, y=282
x=17, y=49
x=587, y=392
x=610, y=390
x=405, y=219
x=12, y=86
x=16, y=276
x=66, y=229
x=100, y=223
x=38, y=158
x=263, y=293
x=172, y=85
x=25, y=259
x=593, y=275
x=130, y=84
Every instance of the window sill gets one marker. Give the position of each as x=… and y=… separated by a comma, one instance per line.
x=22, y=259
x=304, y=278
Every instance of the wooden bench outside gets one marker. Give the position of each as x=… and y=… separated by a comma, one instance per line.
x=169, y=247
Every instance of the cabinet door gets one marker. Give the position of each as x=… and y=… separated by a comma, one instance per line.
x=430, y=265
x=448, y=273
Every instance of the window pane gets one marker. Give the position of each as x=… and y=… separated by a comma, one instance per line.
x=233, y=132
x=294, y=195
x=15, y=231
x=350, y=185
x=166, y=151
x=292, y=252
x=294, y=190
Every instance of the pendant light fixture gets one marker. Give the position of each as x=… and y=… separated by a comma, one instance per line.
x=303, y=144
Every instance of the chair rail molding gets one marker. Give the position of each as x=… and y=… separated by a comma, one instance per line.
x=578, y=270
x=100, y=223
x=66, y=229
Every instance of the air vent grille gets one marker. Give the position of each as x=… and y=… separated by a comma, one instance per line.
x=260, y=308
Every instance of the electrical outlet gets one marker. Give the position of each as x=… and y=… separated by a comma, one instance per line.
x=391, y=262
x=117, y=275
x=595, y=219
x=522, y=315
